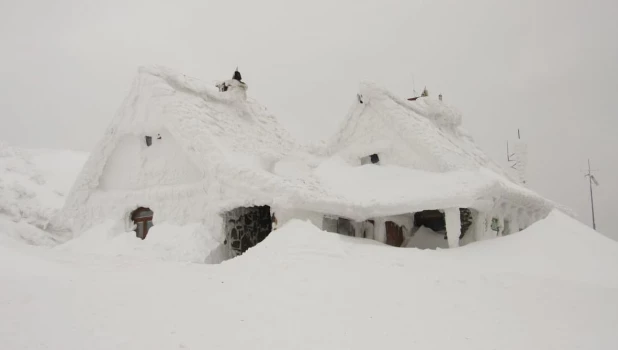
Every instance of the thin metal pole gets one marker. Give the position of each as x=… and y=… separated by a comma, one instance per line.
x=594, y=224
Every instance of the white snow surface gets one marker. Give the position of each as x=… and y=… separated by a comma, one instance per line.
x=551, y=286
x=220, y=150
x=33, y=186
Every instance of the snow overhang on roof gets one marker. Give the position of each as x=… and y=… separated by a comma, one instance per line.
x=237, y=141
x=363, y=192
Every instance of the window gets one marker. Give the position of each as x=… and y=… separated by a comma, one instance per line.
x=372, y=159
x=495, y=224
x=338, y=225
x=142, y=217
x=148, y=141
x=345, y=227
x=329, y=223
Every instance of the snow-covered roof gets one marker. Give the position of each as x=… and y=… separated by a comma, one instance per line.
x=428, y=128
x=427, y=160
x=362, y=192
x=213, y=128
x=434, y=164
x=206, y=122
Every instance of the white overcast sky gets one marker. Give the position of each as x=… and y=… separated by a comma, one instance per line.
x=547, y=67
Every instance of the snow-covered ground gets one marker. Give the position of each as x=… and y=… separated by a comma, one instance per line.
x=552, y=286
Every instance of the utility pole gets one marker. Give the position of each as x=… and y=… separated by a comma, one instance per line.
x=592, y=180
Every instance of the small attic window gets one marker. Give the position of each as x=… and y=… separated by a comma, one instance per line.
x=372, y=159
x=148, y=141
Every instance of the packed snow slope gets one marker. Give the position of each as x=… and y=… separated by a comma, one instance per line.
x=33, y=186
x=552, y=286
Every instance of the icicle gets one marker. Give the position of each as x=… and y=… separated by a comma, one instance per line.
x=369, y=230
x=453, y=226
x=380, y=230
x=500, y=225
x=479, y=224
x=514, y=223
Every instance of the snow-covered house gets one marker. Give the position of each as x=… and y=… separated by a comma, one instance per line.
x=404, y=173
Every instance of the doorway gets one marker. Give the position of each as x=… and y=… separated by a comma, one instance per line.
x=245, y=227
x=394, y=234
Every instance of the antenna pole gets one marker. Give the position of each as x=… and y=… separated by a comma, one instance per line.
x=594, y=224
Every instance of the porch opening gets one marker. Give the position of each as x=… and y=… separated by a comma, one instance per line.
x=142, y=217
x=245, y=227
x=434, y=220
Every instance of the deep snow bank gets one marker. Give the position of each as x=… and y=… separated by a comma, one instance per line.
x=558, y=246
x=33, y=185
x=303, y=288
x=165, y=242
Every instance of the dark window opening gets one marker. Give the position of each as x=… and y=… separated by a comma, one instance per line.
x=434, y=220
x=465, y=215
x=142, y=217
x=246, y=227
x=338, y=225
x=148, y=141
x=373, y=159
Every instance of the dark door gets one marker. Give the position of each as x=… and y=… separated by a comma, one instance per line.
x=394, y=234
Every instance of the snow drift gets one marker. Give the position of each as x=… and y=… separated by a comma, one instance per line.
x=549, y=286
x=33, y=186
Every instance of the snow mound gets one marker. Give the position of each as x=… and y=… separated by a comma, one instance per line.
x=20, y=232
x=165, y=242
x=550, y=286
x=33, y=185
x=557, y=246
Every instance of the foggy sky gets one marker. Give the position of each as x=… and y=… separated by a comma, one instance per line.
x=548, y=68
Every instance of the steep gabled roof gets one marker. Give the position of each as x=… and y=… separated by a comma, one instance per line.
x=213, y=128
x=430, y=128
